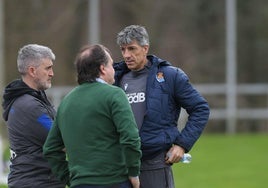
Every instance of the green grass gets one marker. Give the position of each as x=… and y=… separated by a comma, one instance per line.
x=224, y=161
x=221, y=161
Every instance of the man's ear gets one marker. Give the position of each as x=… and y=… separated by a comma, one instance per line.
x=102, y=69
x=31, y=71
x=146, y=48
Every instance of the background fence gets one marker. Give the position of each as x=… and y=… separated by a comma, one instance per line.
x=220, y=113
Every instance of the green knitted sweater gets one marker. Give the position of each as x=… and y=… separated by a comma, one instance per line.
x=95, y=125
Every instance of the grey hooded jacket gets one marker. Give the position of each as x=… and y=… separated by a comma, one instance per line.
x=29, y=116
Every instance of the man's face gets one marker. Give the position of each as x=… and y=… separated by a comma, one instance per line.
x=43, y=75
x=134, y=55
x=108, y=71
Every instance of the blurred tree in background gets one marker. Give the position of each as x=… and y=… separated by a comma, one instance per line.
x=189, y=34
x=60, y=25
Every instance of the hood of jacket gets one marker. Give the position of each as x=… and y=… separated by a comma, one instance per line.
x=16, y=89
x=121, y=67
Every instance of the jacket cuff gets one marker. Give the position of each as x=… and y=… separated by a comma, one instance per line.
x=181, y=144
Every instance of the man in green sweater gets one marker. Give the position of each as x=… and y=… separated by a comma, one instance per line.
x=94, y=140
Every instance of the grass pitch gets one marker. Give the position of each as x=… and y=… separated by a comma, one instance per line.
x=220, y=161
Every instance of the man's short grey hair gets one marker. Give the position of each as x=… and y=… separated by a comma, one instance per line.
x=32, y=55
x=131, y=33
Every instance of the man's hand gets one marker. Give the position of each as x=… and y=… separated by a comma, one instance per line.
x=175, y=154
x=135, y=181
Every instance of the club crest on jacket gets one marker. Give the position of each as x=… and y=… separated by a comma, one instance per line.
x=160, y=77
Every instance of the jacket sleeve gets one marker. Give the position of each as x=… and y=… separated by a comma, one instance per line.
x=53, y=151
x=196, y=107
x=33, y=117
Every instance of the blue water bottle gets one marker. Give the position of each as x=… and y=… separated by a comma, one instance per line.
x=187, y=158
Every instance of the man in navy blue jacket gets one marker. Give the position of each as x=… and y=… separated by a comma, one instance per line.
x=157, y=91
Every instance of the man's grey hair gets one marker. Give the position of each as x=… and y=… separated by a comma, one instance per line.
x=131, y=33
x=32, y=55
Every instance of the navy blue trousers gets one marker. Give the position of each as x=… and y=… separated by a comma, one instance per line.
x=125, y=184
